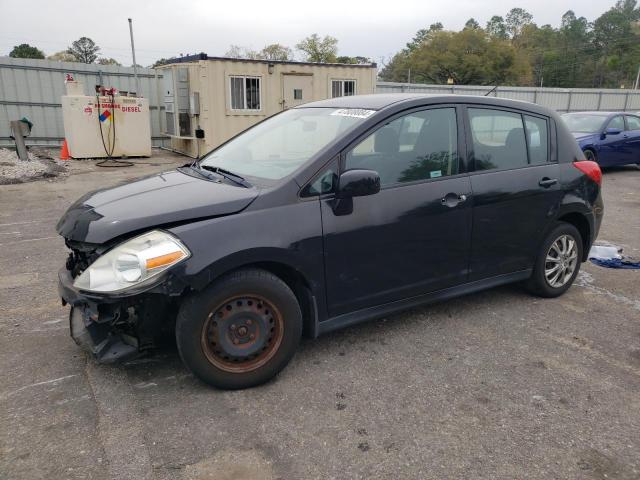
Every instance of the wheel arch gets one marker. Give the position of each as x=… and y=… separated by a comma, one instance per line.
x=293, y=272
x=580, y=221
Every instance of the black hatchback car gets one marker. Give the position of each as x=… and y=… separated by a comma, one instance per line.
x=321, y=217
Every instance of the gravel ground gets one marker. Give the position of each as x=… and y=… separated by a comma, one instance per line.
x=495, y=385
x=41, y=164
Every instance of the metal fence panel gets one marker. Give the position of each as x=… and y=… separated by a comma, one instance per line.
x=560, y=99
x=32, y=88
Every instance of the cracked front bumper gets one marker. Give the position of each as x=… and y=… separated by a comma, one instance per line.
x=113, y=328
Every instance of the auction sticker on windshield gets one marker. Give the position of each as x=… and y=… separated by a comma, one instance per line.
x=354, y=112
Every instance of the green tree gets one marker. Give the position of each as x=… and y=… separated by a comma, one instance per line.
x=423, y=35
x=472, y=24
x=516, y=19
x=358, y=60
x=497, y=28
x=62, y=56
x=275, y=51
x=321, y=50
x=108, y=61
x=468, y=57
x=397, y=69
x=84, y=50
x=24, y=50
x=237, y=51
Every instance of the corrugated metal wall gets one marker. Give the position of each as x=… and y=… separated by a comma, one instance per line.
x=560, y=99
x=32, y=88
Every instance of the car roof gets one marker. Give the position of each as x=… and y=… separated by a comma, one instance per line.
x=379, y=101
x=600, y=112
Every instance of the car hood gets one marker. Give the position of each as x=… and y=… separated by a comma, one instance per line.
x=154, y=201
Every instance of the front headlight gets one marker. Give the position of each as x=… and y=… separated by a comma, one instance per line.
x=133, y=262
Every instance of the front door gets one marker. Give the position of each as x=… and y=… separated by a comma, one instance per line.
x=515, y=188
x=413, y=236
x=296, y=90
x=614, y=149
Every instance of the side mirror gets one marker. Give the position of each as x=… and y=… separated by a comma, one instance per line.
x=612, y=131
x=358, y=183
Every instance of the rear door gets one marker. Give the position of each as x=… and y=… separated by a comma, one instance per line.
x=413, y=236
x=515, y=187
x=633, y=137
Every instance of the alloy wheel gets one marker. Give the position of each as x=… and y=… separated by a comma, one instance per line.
x=561, y=261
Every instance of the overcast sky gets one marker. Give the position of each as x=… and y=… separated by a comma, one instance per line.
x=163, y=28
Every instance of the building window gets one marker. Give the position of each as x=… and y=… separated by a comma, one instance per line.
x=297, y=94
x=343, y=88
x=245, y=93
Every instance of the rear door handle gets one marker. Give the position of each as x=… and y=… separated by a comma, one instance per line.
x=452, y=199
x=546, y=182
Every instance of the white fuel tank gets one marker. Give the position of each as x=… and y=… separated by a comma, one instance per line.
x=125, y=117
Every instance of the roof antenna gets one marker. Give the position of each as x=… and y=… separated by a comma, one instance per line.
x=491, y=91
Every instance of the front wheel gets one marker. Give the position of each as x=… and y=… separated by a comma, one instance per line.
x=241, y=331
x=590, y=155
x=558, y=262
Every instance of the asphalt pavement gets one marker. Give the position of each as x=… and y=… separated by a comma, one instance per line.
x=493, y=385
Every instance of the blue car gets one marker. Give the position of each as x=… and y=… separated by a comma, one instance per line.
x=609, y=138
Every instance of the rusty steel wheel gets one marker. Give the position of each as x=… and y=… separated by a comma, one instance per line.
x=242, y=333
x=241, y=330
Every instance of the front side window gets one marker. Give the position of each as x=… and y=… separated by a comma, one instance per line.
x=418, y=146
x=279, y=145
x=498, y=139
x=244, y=93
x=633, y=123
x=324, y=183
x=343, y=88
x=617, y=123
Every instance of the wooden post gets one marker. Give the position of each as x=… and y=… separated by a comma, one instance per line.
x=18, y=135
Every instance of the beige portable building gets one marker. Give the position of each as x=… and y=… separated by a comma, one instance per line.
x=219, y=97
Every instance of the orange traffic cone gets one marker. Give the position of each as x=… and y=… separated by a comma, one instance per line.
x=64, y=153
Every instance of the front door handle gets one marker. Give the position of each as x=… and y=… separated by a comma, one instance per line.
x=546, y=182
x=452, y=199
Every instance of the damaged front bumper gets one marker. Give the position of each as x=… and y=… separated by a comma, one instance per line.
x=114, y=328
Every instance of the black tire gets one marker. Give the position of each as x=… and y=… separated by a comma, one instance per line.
x=538, y=284
x=207, y=329
x=590, y=155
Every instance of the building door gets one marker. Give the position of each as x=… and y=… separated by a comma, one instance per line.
x=296, y=90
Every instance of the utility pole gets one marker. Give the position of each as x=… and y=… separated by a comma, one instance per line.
x=409, y=76
x=135, y=65
x=637, y=80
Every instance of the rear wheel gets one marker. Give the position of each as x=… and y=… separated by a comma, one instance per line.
x=241, y=331
x=558, y=262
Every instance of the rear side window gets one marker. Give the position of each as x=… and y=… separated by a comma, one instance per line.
x=537, y=139
x=498, y=139
x=633, y=123
x=417, y=146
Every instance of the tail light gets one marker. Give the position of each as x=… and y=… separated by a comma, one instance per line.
x=590, y=169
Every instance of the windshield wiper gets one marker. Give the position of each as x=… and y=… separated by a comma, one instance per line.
x=234, y=177
x=203, y=174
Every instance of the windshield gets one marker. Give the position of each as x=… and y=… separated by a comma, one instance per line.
x=583, y=123
x=278, y=146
